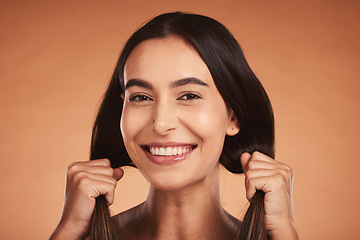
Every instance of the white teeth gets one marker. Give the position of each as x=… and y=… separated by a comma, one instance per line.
x=169, y=151
x=180, y=151
x=162, y=151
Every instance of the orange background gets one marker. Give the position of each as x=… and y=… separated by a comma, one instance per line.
x=57, y=57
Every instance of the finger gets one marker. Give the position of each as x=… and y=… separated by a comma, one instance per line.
x=97, y=162
x=273, y=183
x=257, y=160
x=108, y=171
x=106, y=189
x=94, y=188
x=76, y=172
x=263, y=157
x=77, y=178
x=118, y=173
x=94, y=166
x=244, y=159
x=259, y=164
x=269, y=172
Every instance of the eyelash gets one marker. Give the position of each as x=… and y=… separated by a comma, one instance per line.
x=139, y=98
x=189, y=96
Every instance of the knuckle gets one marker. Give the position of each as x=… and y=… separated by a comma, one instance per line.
x=110, y=198
x=71, y=168
x=84, y=182
x=249, y=193
x=250, y=173
x=102, y=161
x=284, y=172
x=286, y=175
x=106, y=162
x=78, y=176
x=256, y=154
x=113, y=181
x=290, y=170
x=279, y=180
x=110, y=171
x=108, y=188
x=287, y=168
x=72, y=171
x=107, y=171
x=111, y=187
x=251, y=165
x=250, y=182
x=110, y=201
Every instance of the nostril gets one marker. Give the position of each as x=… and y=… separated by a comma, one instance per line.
x=164, y=120
x=162, y=129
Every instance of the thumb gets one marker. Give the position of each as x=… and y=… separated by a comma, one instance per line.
x=118, y=173
x=244, y=159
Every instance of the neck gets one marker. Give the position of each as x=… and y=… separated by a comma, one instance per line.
x=193, y=212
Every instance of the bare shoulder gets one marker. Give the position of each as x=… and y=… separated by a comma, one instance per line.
x=125, y=223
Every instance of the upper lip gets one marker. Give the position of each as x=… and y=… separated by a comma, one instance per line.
x=167, y=144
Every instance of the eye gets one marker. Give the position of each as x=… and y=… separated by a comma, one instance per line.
x=189, y=96
x=139, y=98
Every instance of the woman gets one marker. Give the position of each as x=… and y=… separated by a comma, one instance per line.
x=182, y=100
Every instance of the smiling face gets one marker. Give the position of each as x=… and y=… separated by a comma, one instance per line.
x=174, y=120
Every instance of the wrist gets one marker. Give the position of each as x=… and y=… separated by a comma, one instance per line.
x=58, y=234
x=284, y=231
x=65, y=231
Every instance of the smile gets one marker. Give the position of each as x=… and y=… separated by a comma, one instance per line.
x=170, y=151
x=165, y=154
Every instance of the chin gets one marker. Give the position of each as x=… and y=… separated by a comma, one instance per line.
x=177, y=181
x=169, y=182
x=178, y=175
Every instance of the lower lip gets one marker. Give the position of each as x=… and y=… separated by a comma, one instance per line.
x=167, y=160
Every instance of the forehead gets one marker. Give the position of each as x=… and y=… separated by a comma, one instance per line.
x=170, y=57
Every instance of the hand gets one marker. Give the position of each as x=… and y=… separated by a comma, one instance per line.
x=275, y=180
x=84, y=183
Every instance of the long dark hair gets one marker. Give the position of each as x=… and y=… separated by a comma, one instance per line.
x=238, y=86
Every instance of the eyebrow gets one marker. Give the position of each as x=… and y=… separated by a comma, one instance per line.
x=184, y=81
x=138, y=82
x=178, y=83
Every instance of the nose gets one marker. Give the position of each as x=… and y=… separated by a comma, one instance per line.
x=164, y=118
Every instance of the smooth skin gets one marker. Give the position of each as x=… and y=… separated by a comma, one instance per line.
x=85, y=181
x=184, y=198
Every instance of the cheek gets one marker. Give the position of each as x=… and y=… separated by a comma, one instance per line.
x=209, y=125
x=131, y=123
x=209, y=122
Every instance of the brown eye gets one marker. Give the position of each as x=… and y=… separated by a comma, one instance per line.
x=139, y=98
x=189, y=97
